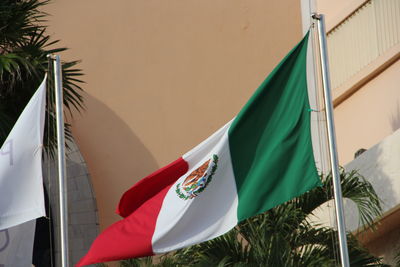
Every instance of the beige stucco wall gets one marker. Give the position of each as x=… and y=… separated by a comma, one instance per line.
x=370, y=114
x=163, y=75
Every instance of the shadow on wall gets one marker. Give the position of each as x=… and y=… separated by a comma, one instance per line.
x=83, y=223
x=108, y=160
x=395, y=118
x=115, y=156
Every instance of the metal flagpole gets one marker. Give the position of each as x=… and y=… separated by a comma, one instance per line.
x=63, y=205
x=344, y=255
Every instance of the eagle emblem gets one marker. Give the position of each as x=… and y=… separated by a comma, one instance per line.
x=197, y=180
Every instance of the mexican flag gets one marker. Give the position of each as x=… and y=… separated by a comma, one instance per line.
x=260, y=159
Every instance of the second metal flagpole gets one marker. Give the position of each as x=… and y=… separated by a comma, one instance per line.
x=344, y=255
x=61, y=161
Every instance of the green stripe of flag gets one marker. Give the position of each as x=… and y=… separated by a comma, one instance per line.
x=270, y=139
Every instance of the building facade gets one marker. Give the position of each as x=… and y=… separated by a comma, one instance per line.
x=364, y=50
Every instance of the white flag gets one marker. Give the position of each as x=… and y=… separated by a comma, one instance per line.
x=21, y=182
x=16, y=245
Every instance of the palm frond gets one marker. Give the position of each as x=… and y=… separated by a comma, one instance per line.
x=356, y=188
x=24, y=46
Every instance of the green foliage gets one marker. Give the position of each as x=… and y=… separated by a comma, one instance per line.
x=24, y=46
x=163, y=261
x=284, y=236
x=354, y=187
x=397, y=259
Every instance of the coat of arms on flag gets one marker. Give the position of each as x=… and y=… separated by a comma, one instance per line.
x=197, y=181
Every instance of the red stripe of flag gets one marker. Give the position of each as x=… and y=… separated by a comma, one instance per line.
x=141, y=204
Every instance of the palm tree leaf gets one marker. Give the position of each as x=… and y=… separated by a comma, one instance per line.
x=24, y=46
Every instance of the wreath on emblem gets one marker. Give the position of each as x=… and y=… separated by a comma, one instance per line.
x=198, y=180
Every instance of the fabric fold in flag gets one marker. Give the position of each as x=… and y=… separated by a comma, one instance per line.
x=21, y=182
x=260, y=159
